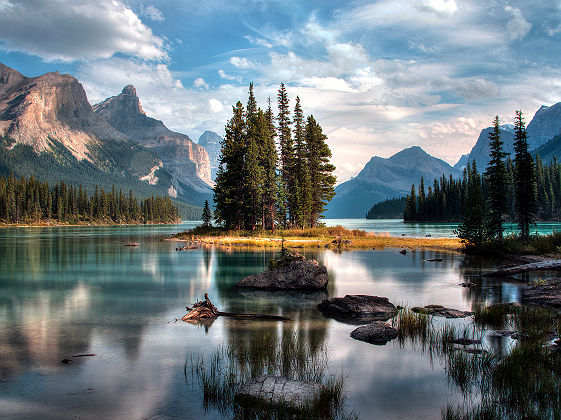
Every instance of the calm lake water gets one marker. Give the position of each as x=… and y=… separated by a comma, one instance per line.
x=78, y=290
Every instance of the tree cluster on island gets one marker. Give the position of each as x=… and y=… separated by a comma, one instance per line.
x=260, y=187
x=521, y=190
x=31, y=201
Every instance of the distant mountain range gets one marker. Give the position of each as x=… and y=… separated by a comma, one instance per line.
x=386, y=178
x=382, y=179
x=50, y=130
x=211, y=142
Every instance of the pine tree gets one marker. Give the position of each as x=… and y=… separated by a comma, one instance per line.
x=229, y=187
x=524, y=179
x=266, y=136
x=302, y=182
x=207, y=217
x=321, y=170
x=496, y=178
x=286, y=147
x=472, y=229
x=253, y=174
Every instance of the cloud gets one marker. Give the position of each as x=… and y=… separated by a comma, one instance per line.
x=258, y=41
x=446, y=7
x=199, y=82
x=226, y=76
x=71, y=30
x=241, y=62
x=518, y=27
x=151, y=13
x=215, y=105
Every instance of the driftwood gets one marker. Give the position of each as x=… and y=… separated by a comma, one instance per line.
x=205, y=310
x=132, y=244
x=525, y=268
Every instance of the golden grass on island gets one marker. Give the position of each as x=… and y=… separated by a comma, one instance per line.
x=317, y=237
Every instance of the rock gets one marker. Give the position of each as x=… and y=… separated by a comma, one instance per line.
x=546, y=293
x=438, y=310
x=435, y=260
x=465, y=341
x=467, y=284
x=358, y=309
x=277, y=390
x=403, y=252
x=378, y=333
x=66, y=361
x=501, y=333
x=298, y=275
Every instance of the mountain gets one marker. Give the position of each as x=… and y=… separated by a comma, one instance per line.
x=187, y=162
x=545, y=125
x=480, y=152
x=49, y=130
x=386, y=178
x=549, y=150
x=462, y=162
x=211, y=142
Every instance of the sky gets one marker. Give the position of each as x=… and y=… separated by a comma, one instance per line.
x=379, y=76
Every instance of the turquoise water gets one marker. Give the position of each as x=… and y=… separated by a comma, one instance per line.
x=396, y=227
x=77, y=290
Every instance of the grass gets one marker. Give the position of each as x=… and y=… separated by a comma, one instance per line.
x=318, y=237
x=512, y=245
x=291, y=356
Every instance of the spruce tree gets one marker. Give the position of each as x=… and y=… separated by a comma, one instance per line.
x=301, y=171
x=207, y=217
x=229, y=189
x=472, y=228
x=286, y=147
x=253, y=171
x=524, y=179
x=321, y=170
x=269, y=158
x=496, y=178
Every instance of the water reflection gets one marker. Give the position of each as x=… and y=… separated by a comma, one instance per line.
x=70, y=291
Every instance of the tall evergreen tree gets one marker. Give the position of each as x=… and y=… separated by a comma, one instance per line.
x=496, y=179
x=229, y=190
x=286, y=146
x=301, y=171
x=524, y=179
x=207, y=217
x=269, y=162
x=472, y=228
x=321, y=170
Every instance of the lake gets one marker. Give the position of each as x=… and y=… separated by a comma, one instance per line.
x=69, y=291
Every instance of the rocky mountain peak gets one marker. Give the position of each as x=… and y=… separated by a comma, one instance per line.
x=9, y=76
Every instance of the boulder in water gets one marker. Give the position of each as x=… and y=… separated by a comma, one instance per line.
x=378, y=332
x=296, y=275
x=358, y=309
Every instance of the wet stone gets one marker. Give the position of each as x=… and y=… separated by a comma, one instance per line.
x=377, y=332
x=358, y=309
x=438, y=310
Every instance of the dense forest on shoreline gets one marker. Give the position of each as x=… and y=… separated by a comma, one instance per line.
x=391, y=208
x=29, y=201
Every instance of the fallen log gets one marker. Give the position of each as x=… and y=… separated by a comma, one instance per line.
x=525, y=268
x=205, y=310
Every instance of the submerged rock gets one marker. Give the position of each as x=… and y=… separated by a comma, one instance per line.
x=544, y=293
x=438, y=310
x=378, y=333
x=358, y=309
x=302, y=274
x=277, y=390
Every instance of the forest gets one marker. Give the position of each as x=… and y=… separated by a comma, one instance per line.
x=272, y=174
x=25, y=201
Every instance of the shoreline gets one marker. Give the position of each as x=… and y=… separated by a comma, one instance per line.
x=84, y=224
x=368, y=242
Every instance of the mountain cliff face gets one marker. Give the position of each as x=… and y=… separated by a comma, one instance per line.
x=481, y=149
x=545, y=125
x=36, y=110
x=211, y=142
x=386, y=178
x=187, y=162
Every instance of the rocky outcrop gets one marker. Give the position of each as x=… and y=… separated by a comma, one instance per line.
x=39, y=111
x=378, y=332
x=358, y=309
x=276, y=390
x=546, y=293
x=297, y=275
x=211, y=142
x=187, y=162
x=438, y=310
